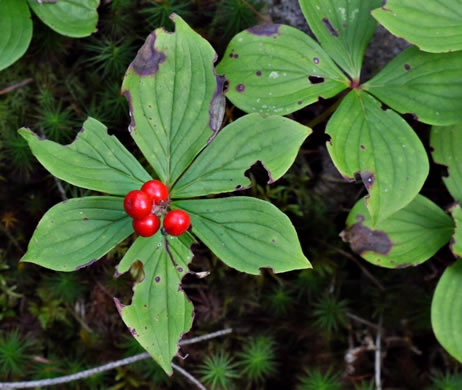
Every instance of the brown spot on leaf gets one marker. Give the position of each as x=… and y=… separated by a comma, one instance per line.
x=258, y=73
x=407, y=67
x=85, y=219
x=329, y=27
x=240, y=88
x=148, y=59
x=363, y=239
x=316, y=60
x=368, y=179
x=217, y=106
x=157, y=279
x=362, y=147
x=265, y=29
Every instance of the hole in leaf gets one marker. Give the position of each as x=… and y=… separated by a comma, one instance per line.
x=316, y=79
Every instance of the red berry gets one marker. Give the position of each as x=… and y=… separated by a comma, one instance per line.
x=147, y=226
x=176, y=222
x=138, y=204
x=156, y=190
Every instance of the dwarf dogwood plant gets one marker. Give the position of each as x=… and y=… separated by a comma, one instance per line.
x=277, y=69
x=177, y=107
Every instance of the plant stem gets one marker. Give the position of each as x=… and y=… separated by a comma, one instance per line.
x=112, y=365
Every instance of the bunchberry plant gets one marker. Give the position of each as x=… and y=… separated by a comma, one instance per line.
x=66, y=17
x=176, y=106
x=276, y=69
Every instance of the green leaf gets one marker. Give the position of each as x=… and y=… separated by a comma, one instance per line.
x=15, y=31
x=381, y=148
x=72, y=18
x=424, y=84
x=274, y=141
x=344, y=29
x=77, y=232
x=447, y=310
x=277, y=69
x=246, y=233
x=407, y=238
x=433, y=25
x=173, y=94
x=95, y=160
x=456, y=242
x=447, y=146
x=160, y=312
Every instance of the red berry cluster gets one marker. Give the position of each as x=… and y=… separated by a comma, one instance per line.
x=145, y=207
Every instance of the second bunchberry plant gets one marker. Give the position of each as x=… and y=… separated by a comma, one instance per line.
x=177, y=107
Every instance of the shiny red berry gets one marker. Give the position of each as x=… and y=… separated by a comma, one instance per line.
x=176, y=222
x=147, y=226
x=156, y=190
x=138, y=204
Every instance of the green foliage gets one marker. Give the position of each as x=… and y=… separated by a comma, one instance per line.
x=57, y=122
x=399, y=85
x=8, y=293
x=344, y=28
x=15, y=32
x=65, y=286
x=409, y=237
x=13, y=353
x=456, y=242
x=147, y=368
x=446, y=381
x=447, y=310
x=432, y=25
x=218, y=371
x=18, y=152
x=158, y=12
x=279, y=301
x=446, y=141
x=278, y=79
x=359, y=146
x=233, y=16
x=330, y=314
x=315, y=379
x=73, y=19
x=258, y=358
x=365, y=385
x=275, y=80
x=66, y=17
x=177, y=108
x=110, y=58
x=49, y=310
